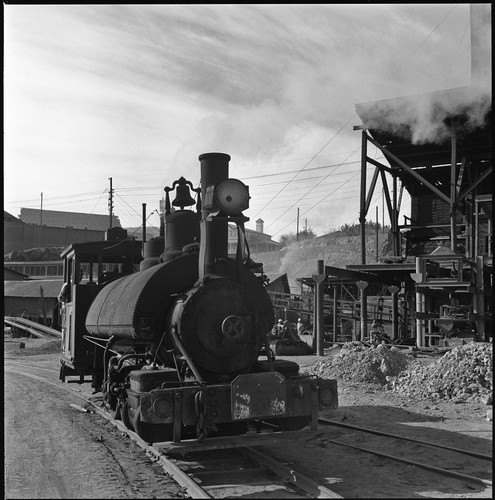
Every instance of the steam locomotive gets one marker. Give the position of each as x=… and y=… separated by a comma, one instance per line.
x=179, y=346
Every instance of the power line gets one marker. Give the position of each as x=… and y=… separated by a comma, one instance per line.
x=418, y=47
x=335, y=135
x=312, y=158
x=295, y=203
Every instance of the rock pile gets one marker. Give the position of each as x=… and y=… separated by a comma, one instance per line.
x=34, y=254
x=357, y=363
x=464, y=374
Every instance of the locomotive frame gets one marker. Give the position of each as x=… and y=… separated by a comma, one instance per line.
x=176, y=346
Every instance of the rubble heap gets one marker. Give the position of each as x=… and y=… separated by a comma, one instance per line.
x=358, y=363
x=463, y=374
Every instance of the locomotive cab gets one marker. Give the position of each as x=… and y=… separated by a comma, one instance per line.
x=88, y=268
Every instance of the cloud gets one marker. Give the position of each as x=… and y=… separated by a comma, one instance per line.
x=128, y=90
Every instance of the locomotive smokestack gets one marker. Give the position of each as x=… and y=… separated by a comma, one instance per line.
x=214, y=233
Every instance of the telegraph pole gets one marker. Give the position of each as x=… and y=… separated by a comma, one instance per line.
x=110, y=203
x=297, y=227
x=144, y=223
x=41, y=220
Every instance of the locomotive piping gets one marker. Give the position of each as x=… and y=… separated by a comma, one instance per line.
x=110, y=342
x=182, y=349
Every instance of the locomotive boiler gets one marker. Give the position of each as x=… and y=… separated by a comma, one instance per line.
x=177, y=341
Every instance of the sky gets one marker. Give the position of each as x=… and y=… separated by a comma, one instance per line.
x=137, y=92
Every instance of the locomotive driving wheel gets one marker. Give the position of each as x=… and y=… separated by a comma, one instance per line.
x=124, y=415
x=293, y=423
x=151, y=433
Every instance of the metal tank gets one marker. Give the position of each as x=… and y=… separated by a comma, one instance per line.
x=135, y=306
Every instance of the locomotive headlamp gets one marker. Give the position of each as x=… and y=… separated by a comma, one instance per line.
x=232, y=196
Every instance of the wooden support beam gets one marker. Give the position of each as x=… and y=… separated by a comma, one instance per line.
x=415, y=174
x=372, y=189
x=477, y=182
x=381, y=166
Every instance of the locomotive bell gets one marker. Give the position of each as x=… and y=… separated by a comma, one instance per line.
x=183, y=196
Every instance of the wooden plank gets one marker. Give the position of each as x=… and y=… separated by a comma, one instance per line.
x=226, y=442
x=27, y=322
x=26, y=328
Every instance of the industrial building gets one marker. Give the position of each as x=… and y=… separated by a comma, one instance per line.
x=437, y=283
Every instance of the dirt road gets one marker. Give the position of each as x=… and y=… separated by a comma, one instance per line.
x=53, y=450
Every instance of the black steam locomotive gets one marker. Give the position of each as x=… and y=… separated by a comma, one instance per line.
x=176, y=345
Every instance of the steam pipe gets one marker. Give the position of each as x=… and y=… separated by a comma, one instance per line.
x=188, y=358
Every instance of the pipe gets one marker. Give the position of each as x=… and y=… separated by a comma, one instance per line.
x=364, y=313
x=188, y=358
x=129, y=356
x=110, y=343
x=420, y=305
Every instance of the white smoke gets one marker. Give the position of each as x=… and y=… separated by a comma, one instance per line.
x=426, y=118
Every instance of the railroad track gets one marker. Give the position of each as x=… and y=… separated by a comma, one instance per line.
x=231, y=467
x=215, y=468
x=482, y=458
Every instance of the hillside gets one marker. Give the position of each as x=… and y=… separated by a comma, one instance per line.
x=299, y=259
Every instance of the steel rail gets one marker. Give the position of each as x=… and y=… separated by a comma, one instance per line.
x=396, y=436
x=182, y=478
x=191, y=486
x=432, y=468
x=15, y=363
x=292, y=476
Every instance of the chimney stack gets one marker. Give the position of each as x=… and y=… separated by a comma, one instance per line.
x=259, y=225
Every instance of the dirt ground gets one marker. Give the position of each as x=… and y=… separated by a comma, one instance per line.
x=54, y=451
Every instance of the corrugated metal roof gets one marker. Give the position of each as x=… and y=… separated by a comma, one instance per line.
x=31, y=288
x=9, y=217
x=54, y=218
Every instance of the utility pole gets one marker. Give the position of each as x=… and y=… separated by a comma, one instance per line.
x=41, y=219
x=110, y=203
x=376, y=233
x=144, y=223
x=297, y=225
